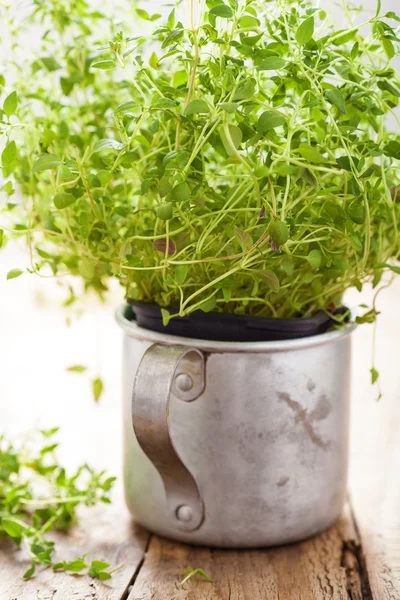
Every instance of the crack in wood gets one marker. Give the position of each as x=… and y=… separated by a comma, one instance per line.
x=366, y=589
x=132, y=581
x=353, y=562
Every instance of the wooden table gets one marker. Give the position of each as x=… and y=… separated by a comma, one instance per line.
x=358, y=558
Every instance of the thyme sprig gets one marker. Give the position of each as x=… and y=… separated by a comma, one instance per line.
x=38, y=496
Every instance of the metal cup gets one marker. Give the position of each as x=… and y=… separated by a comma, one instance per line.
x=235, y=444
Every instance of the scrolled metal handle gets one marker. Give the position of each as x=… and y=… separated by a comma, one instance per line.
x=166, y=370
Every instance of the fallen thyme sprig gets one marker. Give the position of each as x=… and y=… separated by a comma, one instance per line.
x=37, y=496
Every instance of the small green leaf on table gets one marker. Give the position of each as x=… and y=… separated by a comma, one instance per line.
x=189, y=573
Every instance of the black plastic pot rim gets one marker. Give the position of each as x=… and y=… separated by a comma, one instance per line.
x=125, y=318
x=229, y=327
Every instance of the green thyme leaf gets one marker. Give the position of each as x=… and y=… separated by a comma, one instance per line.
x=10, y=104
x=196, y=106
x=314, y=258
x=9, y=154
x=268, y=120
x=180, y=192
x=189, y=573
x=46, y=162
x=279, y=232
x=222, y=10
x=104, y=65
x=165, y=212
x=77, y=369
x=305, y=31
x=14, y=273
x=63, y=200
x=335, y=97
x=272, y=63
x=374, y=375
x=12, y=528
x=98, y=388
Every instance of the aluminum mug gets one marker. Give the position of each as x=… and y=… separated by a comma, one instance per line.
x=234, y=444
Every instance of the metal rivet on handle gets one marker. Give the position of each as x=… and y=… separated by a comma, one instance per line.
x=184, y=513
x=183, y=382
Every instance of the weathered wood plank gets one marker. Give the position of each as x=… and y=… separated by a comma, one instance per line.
x=106, y=534
x=377, y=504
x=375, y=457
x=323, y=568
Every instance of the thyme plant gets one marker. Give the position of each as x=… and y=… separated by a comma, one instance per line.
x=237, y=160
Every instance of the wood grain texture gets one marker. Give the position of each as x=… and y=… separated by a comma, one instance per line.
x=323, y=568
x=376, y=498
x=106, y=534
x=375, y=456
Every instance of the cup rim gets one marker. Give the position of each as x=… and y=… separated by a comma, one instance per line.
x=132, y=330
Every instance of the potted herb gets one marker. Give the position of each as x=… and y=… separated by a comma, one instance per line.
x=235, y=174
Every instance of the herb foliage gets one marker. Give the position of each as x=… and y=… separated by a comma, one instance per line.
x=38, y=496
x=237, y=162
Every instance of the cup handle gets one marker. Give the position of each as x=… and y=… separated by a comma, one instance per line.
x=166, y=370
